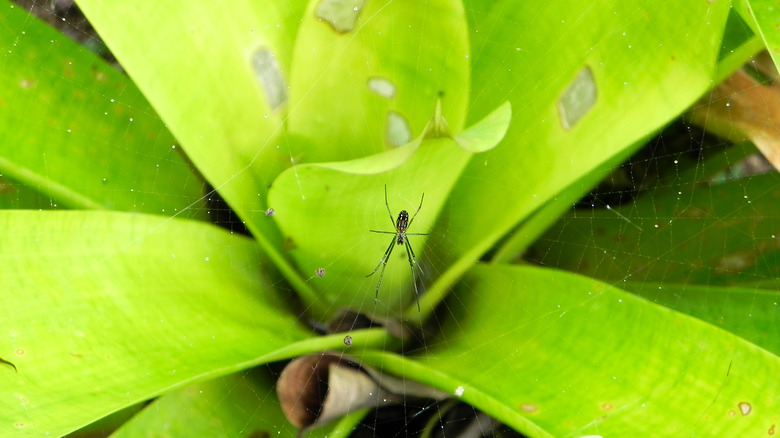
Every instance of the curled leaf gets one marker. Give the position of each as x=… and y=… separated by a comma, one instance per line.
x=316, y=389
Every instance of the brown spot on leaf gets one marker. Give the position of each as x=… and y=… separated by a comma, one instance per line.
x=529, y=408
x=99, y=75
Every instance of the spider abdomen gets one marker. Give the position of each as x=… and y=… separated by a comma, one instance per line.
x=400, y=225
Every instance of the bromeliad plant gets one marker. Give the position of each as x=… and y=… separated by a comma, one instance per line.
x=501, y=113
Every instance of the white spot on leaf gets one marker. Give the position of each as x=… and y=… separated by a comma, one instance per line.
x=397, y=131
x=382, y=87
x=341, y=15
x=270, y=77
x=577, y=99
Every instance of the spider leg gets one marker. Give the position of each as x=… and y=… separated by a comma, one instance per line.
x=415, y=213
x=383, y=264
x=413, y=257
x=412, y=262
x=388, y=208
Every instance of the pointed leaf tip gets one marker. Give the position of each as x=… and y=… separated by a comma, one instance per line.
x=488, y=132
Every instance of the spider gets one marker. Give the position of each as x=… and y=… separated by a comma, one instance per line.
x=400, y=237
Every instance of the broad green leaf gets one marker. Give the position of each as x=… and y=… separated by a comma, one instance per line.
x=749, y=312
x=541, y=219
x=707, y=234
x=237, y=405
x=79, y=132
x=218, y=77
x=327, y=209
x=326, y=214
x=102, y=310
x=707, y=165
x=372, y=84
x=556, y=354
x=560, y=58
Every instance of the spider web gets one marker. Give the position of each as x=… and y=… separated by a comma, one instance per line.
x=632, y=201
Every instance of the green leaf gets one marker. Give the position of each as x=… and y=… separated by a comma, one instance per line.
x=740, y=43
x=103, y=310
x=231, y=406
x=580, y=53
x=216, y=82
x=556, y=354
x=328, y=227
x=79, y=132
x=692, y=234
x=763, y=17
x=488, y=132
x=748, y=312
x=355, y=91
